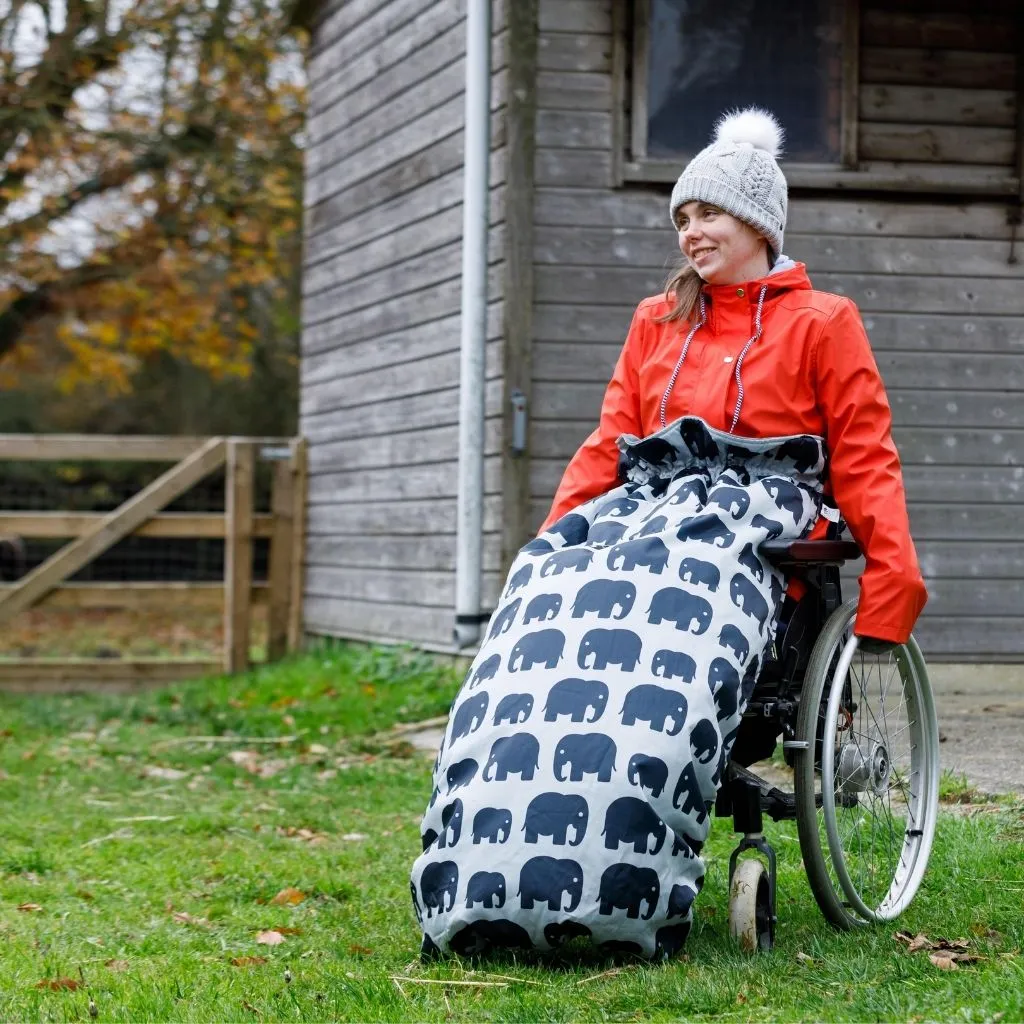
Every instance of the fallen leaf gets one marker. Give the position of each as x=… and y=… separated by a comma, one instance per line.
x=116, y=965
x=943, y=961
x=183, y=917
x=56, y=984
x=247, y=759
x=288, y=897
x=286, y=930
x=317, y=748
x=152, y=771
x=920, y=941
x=804, y=958
x=250, y=1008
x=284, y=702
x=360, y=950
x=740, y=998
x=354, y=837
x=247, y=961
x=28, y=907
x=271, y=938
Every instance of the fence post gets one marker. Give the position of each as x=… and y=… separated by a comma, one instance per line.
x=298, y=559
x=238, y=515
x=279, y=574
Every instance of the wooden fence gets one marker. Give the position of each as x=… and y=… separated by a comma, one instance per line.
x=93, y=533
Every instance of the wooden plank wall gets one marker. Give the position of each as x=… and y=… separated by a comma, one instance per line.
x=942, y=300
x=380, y=341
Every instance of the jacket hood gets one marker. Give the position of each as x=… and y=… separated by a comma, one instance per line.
x=786, y=275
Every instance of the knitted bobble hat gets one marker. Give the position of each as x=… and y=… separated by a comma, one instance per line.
x=738, y=174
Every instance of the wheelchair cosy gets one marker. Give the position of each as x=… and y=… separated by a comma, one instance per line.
x=858, y=729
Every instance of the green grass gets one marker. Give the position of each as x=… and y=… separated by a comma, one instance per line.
x=114, y=822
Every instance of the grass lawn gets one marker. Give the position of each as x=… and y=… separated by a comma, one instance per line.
x=141, y=868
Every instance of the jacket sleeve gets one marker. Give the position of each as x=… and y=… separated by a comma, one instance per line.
x=867, y=480
x=594, y=468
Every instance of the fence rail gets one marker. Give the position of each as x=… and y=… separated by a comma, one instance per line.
x=91, y=534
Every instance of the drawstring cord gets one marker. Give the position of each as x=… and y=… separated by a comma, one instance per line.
x=746, y=349
x=739, y=362
x=679, y=365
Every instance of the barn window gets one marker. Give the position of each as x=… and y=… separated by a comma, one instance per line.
x=910, y=95
x=696, y=58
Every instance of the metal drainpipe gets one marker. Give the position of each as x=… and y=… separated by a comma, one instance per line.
x=475, y=224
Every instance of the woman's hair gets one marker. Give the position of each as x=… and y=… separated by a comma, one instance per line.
x=683, y=285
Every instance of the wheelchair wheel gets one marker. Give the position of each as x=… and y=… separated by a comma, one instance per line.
x=750, y=907
x=866, y=774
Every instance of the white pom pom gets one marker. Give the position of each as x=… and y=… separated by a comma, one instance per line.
x=752, y=125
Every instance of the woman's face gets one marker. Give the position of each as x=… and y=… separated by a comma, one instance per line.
x=722, y=249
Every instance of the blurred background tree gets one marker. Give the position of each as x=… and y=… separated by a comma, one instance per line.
x=150, y=215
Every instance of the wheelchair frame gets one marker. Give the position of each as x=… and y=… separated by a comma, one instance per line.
x=773, y=709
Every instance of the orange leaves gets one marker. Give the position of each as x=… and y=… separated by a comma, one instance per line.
x=59, y=984
x=288, y=897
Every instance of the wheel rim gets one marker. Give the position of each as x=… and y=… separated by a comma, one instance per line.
x=880, y=750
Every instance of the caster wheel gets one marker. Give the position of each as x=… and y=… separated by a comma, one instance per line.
x=750, y=907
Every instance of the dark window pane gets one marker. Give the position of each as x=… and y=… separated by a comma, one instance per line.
x=709, y=56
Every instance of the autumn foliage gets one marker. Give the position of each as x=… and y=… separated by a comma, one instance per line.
x=150, y=182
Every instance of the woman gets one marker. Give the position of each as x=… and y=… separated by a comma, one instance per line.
x=573, y=785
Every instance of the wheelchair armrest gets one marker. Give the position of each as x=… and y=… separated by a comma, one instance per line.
x=809, y=552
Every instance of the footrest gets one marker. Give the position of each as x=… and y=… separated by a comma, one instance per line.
x=776, y=803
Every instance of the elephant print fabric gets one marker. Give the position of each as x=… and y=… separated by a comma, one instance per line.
x=574, y=783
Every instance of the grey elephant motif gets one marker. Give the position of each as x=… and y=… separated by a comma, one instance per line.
x=487, y=669
x=749, y=560
x=537, y=546
x=515, y=755
x=618, y=507
x=514, y=708
x=733, y=639
x=776, y=588
x=724, y=682
x=451, y=824
x=647, y=772
x=428, y=838
x=542, y=608
x=572, y=528
x=610, y=647
x=733, y=500
x=493, y=824
x=669, y=664
x=438, y=883
x=749, y=599
x=686, y=797
x=543, y=645
x=486, y=887
x=479, y=936
x=652, y=528
x=558, y=932
x=545, y=879
x=519, y=579
x=649, y=552
x=626, y=887
x=461, y=773
x=773, y=527
x=603, y=535
x=605, y=597
x=704, y=741
x=680, y=899
x=577, y=559
x=417, y=909
x=553, y=814
x=585, y=754
x=502, y=622
x=670, y=938
x=575, y=698
x=786, y=495
x=693, y=570
x=687, y=847
x=682, y=607
x=708, y=529
x=469, y=716
x=630, y=820
x=655, y=704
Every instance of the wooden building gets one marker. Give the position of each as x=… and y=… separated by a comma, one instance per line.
x=904, y=162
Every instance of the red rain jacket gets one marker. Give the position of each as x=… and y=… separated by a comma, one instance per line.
x=811, y=371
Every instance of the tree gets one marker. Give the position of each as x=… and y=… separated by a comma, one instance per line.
x=150, y=180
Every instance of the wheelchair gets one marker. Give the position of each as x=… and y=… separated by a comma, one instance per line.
x=858, y=728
